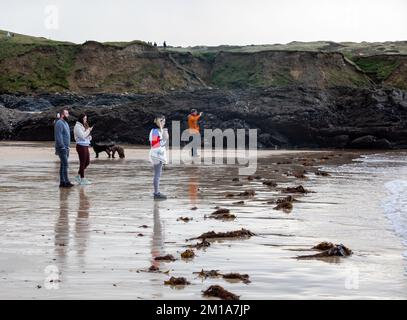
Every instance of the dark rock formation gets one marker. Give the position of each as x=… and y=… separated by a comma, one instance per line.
x=285, y=117
x=8, y=120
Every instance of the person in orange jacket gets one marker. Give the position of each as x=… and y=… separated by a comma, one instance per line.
x=193, y=126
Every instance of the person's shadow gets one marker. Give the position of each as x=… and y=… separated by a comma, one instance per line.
x=157, y=241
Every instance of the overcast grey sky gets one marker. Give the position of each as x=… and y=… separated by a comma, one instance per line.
x=208, y=22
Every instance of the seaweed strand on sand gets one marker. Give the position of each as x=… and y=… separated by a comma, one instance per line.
x=243, y=233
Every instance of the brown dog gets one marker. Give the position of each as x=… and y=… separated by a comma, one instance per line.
x=119, y=150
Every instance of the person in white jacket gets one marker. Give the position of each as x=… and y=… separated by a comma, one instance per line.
x=158, y=156
x=82, y=134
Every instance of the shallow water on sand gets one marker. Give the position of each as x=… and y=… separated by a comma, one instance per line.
x=92, y=238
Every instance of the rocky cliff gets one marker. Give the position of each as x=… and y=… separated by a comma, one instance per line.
x=320, y=94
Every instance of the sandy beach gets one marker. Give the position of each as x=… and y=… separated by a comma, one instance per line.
x=98, y=241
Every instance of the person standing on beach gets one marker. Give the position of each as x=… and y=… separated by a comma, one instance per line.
x=82, y=136
x=62, y=142
x=193, y=125
x=158, y=155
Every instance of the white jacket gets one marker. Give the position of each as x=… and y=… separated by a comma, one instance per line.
x=158, y=140
x=82, y=135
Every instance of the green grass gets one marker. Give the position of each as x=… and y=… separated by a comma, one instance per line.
x=9, y=49
x=50, y=63
x=234, y=73
x=50, y=66
x=24, y=39
x=209, y=56
x=240, y=72
x=379, y=68
x=124, y=44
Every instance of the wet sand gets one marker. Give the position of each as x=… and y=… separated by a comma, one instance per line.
x=95, y=242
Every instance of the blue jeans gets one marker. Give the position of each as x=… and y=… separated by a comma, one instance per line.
x=63, y=169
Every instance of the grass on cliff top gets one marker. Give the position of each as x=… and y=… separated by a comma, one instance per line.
x=21, y=39
x=24, y=39
x=208, y=56
x=349, y=48
x=19, y=44
x=124, y=44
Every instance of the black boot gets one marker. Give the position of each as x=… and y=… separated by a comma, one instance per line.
x=66, y=185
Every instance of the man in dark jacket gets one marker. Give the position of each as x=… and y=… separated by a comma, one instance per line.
x=62, y=134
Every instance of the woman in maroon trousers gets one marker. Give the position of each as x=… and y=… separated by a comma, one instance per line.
x=82, y=136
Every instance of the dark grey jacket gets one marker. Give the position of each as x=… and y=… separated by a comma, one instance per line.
x=62, y=135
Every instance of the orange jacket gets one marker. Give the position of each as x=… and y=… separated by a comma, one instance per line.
x=193, y=123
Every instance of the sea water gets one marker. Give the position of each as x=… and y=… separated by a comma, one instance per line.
x=389, y=170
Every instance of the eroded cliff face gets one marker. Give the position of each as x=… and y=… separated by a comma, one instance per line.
x=282, y=68
x=139, y=68
x=385, y=70
x=34, y=65
x=135, y=68
x=398, y=77
x=340, y=117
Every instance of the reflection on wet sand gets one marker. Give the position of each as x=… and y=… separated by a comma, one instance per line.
x=62, y=229
x=157, y=241
x=82, y=225
x=62, y=226
x=193, y=187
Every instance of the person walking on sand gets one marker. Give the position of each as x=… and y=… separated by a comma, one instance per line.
x=82, y=136
x=193, y=126
x=158, y=155
x=62, y=136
